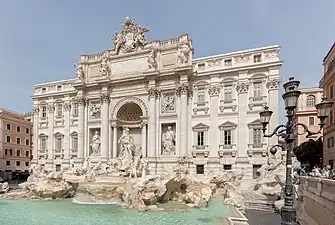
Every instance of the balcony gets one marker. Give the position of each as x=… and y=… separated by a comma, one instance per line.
x=227, y=150
x=256, y=101
x=58, y=153
x=203, y=106
x=228, y=104
x=200, y=150
x=42, y=154
x=256, y=148
x=74, y=153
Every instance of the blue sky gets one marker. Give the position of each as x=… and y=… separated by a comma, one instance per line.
x=40, y=40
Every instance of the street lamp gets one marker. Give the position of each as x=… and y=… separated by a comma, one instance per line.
x=291, y=95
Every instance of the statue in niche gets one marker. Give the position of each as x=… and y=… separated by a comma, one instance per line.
x=169, y=142
x=127, y=149
x=95, y=111
x=95, y=144
x=184, y=54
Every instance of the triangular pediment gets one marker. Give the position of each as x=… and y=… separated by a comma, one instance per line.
x=200, y=126
x=256, y=122
x=42, y=135
x=57, y=134
x=228, y=124
x=74, y=133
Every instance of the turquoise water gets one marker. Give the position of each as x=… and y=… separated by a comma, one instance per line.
x=64, y=212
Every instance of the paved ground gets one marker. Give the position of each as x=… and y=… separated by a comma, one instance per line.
x=262, y=218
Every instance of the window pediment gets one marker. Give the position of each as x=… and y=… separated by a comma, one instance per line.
x=42, y=135
x=255, y=123
x=58, y=134
x=200, y=127
x=74, y=133
x=228, y=125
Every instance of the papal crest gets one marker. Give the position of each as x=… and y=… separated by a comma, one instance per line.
x=130, y=38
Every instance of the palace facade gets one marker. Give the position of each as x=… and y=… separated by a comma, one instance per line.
x=172, y=105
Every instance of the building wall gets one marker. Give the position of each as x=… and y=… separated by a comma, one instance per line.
x=306, y=112
x=207, y=95
x=328, y=85
x=14, y=155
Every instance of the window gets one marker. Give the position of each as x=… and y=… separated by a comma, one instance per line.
x=58, y=141
x=257, y=89
x=331, y=91
x=18, y=128
x=227, y=137
x=74, y=142
x=75, y=109
x=257, y=138
x=228, y=93
x=18, y=141
x=200, y=169
x=8, y=126
x=310, y=101
x=201, y=66
x=10, y=152
x=27, y=163
x=44, y=112
x=58, y=168
x=18, y=153
x=27, y=130
x=7, y=163
x=200, y=138
x=8, y=139
x=227, y=167
x=330, y=142
x=201, y=96
x=6, y=151
x=330, y=119
x=44, y=90
x=27, y=153
x=27, y=141
x=255, y=168
x=59, y=87
x=18, y=163
x=227, y=62
x=43, y=144
x=59, y=110
x=311, y=120
x=257, y=58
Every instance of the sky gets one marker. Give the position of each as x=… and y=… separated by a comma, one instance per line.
x=41, y=40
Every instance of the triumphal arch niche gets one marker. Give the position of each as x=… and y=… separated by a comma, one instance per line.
x=139, y=89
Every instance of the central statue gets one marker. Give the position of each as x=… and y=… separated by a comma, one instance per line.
x=127, y=149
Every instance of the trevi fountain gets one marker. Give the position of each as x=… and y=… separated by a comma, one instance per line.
x=125, y=191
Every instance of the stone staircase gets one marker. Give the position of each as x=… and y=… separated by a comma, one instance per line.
x=261, y=206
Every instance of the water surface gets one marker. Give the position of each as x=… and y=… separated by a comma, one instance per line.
x=64, y=212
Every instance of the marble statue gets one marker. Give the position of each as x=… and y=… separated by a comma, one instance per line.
x=80, y=72
x=184, y=53
x=168, y=141
x=104, y=65
x=127, y=149
x=95, y=144
x=130, y=38
x=152, y=59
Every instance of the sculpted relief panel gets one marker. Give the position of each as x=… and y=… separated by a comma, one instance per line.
x=168, y=102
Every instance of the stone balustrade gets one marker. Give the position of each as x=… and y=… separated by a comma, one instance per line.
x=316, y=202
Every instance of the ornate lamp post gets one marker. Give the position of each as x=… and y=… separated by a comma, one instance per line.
x=291, y=95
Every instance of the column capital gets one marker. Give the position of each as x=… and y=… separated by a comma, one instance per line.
x=36, y=109
x=67, y=106
x=273, y=84
x=152, y=92
x=214, y=90
x=81, y=100
x=182, y=89
x=104, y=97
x=242, y=87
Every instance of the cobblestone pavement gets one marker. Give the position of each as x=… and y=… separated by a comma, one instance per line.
x=262, y=218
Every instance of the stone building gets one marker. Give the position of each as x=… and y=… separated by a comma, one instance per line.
x=306, y=112
x=170, y=104
x=327, y=83
x=15, y=142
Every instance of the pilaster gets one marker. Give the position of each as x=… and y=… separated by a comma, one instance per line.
x=152, y=123
x=242, y=89
x=214, y=92
x=114, y=149
x=273, y=91
x=67, y=115
x=81, y=127
x=182, y=92
x=144, y=138
x=51, y=109
x=35, y=143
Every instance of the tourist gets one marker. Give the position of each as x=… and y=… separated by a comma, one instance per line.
x=302, y=171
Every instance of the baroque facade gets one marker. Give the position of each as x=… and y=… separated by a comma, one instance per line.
x=170, y=104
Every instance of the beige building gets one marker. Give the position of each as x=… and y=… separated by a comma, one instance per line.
x=328, y=83
x=15, y=142
x=171, y=104
x=306, y=112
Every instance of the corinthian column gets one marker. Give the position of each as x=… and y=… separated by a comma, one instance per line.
x=36, y=143
x=152, y=123
x=81, y=128
x=104, y=125
x=182, y=92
